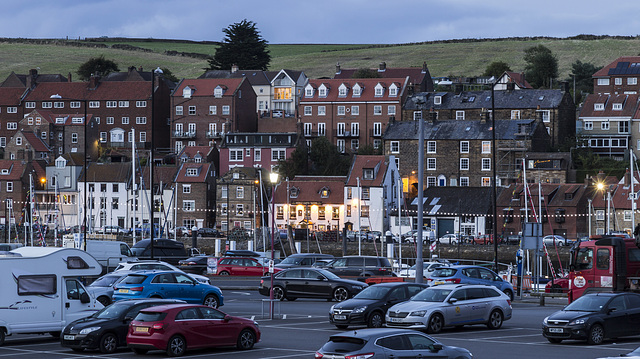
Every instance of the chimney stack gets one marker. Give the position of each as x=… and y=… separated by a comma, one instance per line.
x=424, y=67
x=31, y=79
x=383, y=67
x=234, y=68
x=69, y=77
x=338, y=68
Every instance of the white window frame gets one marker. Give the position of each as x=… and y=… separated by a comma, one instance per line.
x=464, y=164
x=459, y=115
x=355, y=110
x=605, y=125
x=377, y=110
x=486, y=164
x=431, y=164
x=464, y=144
x=308, y=110
x=394, y=146
x=431, y=146
x=226, y=109
x=486, y=146
x=322, y=110
x=341, y=110
x=391, y=110
x=588, y=125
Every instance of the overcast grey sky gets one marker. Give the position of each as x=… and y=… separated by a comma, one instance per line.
x=323, y=21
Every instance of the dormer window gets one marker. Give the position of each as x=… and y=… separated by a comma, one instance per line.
x=342, y=90
x=187, y=92
x=61, y=163
x=357, y=90
x=217, y=92
x=617, y=106
x=367, y=173
x=598, y=107
x=192, y=172
x=308, y=91
x=4, y=171
x=324, y=192
x=294, y=192
x=59, y=119
x=379, y=90
x=437, y=100
x=322, y=91
x=393, y=90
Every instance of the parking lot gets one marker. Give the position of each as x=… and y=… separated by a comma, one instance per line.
x=303, y=327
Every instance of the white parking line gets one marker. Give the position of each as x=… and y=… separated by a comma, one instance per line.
x=241, y=293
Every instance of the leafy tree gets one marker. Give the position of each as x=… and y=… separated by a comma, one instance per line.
x=242, y=46
x=369, y=150
x=364, y=73
x=166, y=73
x=582, y=72
x=326, y=159
x=297, y=163
x=96, y=65
x=496, y=69
x=542, y=66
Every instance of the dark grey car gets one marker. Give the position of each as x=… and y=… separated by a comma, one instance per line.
x=388, y=343
x=360, y=266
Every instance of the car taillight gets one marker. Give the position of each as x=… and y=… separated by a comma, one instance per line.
x=319, y=355
x=453, y=280
x=261, y=282
x=137, y=289
x=158, y=326
x=359, y=356
x=509, y=302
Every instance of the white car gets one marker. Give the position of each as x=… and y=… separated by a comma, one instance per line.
x=560, y=240
x=449, y=239
x=157, y=265
x=427, y=269
x=102, y=288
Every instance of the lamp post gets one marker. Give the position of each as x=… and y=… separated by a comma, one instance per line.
x=273, y=176
x=601, y=187
x=84, y=167
x=155, y=72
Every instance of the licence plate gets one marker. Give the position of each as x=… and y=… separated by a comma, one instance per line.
x=69, y=337
x=436, y=283
x=142, y=329
x=556, y=330
x=395, y=320
x=340, y=317
x=123, y=290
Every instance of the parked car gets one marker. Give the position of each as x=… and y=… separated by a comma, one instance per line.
x=210, y=232
x=181, y=231
x=470, y=274
x=558, y=285
x=427, y=269
x=594, y=317
x=388, y=343
x=302, y=260
x=360, y=266
x=177, y=328
x=112, y=230
x=512, y=239
x=482, y=239
x=107, y=329
x=451, y=305
x=370, y=305
x=102, y=288
x=167, y=284
x=450, y=239
x=559, y=240
x=164, y=249
x=295, y=283
x=151, y=264
x=194, y=265
x=242, y=266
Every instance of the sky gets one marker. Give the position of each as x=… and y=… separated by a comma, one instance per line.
x=320, y=21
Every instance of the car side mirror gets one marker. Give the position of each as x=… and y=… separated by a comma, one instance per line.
x=393, y=299
x=227, y=318
x=611, y=310
x=127, y=319
x=84, y=298
x=435, y=347
x=320, y=277
x=453, y=301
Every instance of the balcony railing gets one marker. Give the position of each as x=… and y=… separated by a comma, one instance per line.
x=184, y=134
x=214, y=134
x=343, y=134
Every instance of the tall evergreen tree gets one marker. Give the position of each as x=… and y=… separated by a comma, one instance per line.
x=496, y=69
x=96, y=65
x=242, y=46
x=542, y=66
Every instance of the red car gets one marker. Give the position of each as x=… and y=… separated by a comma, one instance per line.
x=483, y=239
x=242, y=266
x=177, y=328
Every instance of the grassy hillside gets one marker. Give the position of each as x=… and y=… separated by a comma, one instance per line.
x=457, y=58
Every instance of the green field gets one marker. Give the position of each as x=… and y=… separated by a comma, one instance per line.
x=460, y=58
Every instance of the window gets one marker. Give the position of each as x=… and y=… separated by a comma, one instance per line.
x=109, y=120
x=341, y=127
x=12, y=125
x=9, y=186
x=515, y=114
x=112, y=104
x=257, y=155
x=341, y=145
x=464, y=164
x=394, y=147
x=437, y=100
x=57, y=105
x=464, y=181
x=417, y=115
x=464, y=146
x=431, y=164
x=308, y=91
x=598, y=107
x=459, y=115
x=307, y=110
x=617, y=107
x=192, y=172
x=141, y=103
x=225, y=109
x=431, y=146
x=431, y=181
x=377, y=110
x=603, y=82
x=322, y=91
x=486, y=146
x=632, y=80
x=74, y=137
x=19, y=141
x=322, y=110
x=486, y=164
x=600, y=215
x=628, y=215
x=341, y=110
x=355, y=110
x=379, y=91
x=277, y=154
x=391, y=110
x=617, y=81
x=239, y=192
x=186, y=188
x=588, y=125
x=30, y=104
x=123, y=103
x=355, y=144
x=94, y=104
x=179, y=111
x=139, y=120
x=125, y=120
x=322, y=129
x=355, y=129
x=47, y=104
x=143, y=137
x=604, y=125
x=377, y=128
x=103, y=137
x=623, y=127
x=192, y=110
x=189, y=205
x=235, y=155
x=364, y=211
x=486, y=181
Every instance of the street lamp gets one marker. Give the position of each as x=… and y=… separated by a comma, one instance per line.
x=601, y=187
x=273, y=176
x=84, y=166
x=155, y=72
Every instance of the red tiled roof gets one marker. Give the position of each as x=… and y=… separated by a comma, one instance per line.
x=367, y=85
x=604, y=72
x=15, y=168
x=10, y=96
x=191, y=151
x=205, y=87
x=202, y=172
x=309, y=188
x=360, y=162
x=109, y=90
x=519, y=79
x=629, y=105
x=415, y=73
x=35, y=142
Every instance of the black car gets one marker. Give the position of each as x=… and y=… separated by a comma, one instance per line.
x=164, y=249
x=594, y=317
x=106, y=329
x=296, y=283
x=360, y=266
x=303, y=260
x=369, y=306
x=195, y=265
x=210, y=232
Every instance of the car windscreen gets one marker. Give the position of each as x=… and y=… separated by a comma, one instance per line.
x=588, y=303
x=105, y=281
x=112, y=311
x=292, y=260
x=328, y=274
x=444, y=272
x=133, y=279
x=435, y=295
x=373, y=292
x=150, y=316
x=338, y=344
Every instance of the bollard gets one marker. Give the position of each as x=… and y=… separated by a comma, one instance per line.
x=541, y=299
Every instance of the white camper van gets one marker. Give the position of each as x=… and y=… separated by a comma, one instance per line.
x=108, y=253
x=41, y=290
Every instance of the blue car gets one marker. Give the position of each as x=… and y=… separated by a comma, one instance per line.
x=168, y=285
x=470, y=274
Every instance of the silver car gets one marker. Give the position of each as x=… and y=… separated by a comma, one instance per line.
x=388, y=343
x=451, y=305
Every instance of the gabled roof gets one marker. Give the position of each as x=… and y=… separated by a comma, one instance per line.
x=367, y=89
x=119, y=172
x=461, y=130
x=202, y=172
x=161, y=174
x=629, y=106
x=11, y=96
x=110, y=90
x=451, y=201
x=567, y=195
x=11, y=170
x=191, y=151
x=309, y=188
x=516, y=78
x=625, y=65
x=20, y=80
x=521, y=99
x=416, y=74
x=205, y=87
x=360, y=163
x=35, y=142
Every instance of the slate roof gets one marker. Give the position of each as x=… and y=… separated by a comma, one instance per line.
x=20, y=80
x=526, y=98
x=114, y=90
x=255, y=77
x=625, y=65
x=453, y=200
x=359, y=163
x=107, y=172
x=309, y=188
x=459, y=130
x=416, y=75
x=191, y=151
x=74, y=158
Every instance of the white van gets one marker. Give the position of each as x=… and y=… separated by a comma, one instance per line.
x=108, y=253
x=41, y=290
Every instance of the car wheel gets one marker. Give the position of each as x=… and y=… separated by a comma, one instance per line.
x=176, y=346
x=436, y=323
x=495, y=320
x=560, y=244
x=140, y=351
x=509, y=293
x=554, y=340
x=246, y=340
x=340, y=294
x=278, y=293
x=108, y=343
x=342, y=326
x=596, y=335
x=104, y=300
x=224, y=272
x=211, y=301
x=375, y=320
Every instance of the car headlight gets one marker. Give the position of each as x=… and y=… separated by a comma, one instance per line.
x=418, y=313
x=544, y=321
x=256, y=324
x=360, y=309
x=331, y=309
x=358, y=287
x=89, y=330
x=577, y=321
